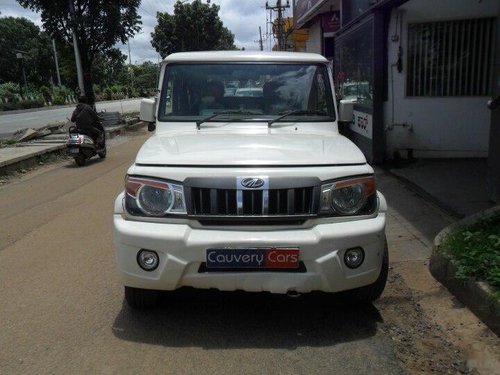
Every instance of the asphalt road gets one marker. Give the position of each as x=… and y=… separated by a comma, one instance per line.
x=10, y=122
x=62, y=309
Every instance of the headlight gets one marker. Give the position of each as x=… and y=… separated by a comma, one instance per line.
x=348, y=197
x=150, y=197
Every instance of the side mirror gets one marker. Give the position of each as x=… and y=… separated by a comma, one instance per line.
x=148, y=110
x=345, y=110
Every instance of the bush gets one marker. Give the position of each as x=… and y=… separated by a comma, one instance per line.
x=59, y=99
x=10, y=106
x=46, y=93
x=107, y=94
x=97, y=89
x=475, y=250
x=9, y=90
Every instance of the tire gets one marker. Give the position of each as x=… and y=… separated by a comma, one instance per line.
x=141, y=298
x=80, y=160
x=102, y=154
x=369, y=293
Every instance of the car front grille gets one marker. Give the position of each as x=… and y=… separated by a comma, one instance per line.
x=270, y=202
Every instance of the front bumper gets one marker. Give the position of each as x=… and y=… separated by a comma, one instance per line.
x=182, y=249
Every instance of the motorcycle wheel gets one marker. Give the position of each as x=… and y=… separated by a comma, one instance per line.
x=80, y=160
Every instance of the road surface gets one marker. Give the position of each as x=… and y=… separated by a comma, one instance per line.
x=62, y=309
x=10, y=122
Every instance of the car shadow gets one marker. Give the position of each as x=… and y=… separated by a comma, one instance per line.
x=215, y=320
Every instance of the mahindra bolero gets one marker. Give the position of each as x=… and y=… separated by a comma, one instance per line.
x=249, y=189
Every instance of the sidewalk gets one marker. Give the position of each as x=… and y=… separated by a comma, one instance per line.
x=457, y=186
x=28, y=154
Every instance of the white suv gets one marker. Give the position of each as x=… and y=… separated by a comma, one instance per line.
x=253, y=193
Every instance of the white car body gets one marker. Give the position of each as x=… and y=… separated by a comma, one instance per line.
x=288, y=155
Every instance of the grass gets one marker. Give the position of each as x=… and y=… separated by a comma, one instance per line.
x=7, y=142
x=475, y=250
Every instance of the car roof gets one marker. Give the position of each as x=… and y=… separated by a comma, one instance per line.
x=245, y=56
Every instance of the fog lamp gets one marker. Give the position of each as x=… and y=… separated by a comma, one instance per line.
x=353, y=258
x=148, y=260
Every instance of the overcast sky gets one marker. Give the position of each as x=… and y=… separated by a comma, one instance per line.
x=242, y=17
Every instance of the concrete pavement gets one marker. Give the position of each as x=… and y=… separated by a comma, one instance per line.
x=457, y=186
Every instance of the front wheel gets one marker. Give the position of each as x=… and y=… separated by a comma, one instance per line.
x=141, y=298
x=369, y=293
x=102, y=154
x=80, y=160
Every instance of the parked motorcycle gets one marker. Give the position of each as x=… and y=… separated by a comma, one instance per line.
x=81, y=146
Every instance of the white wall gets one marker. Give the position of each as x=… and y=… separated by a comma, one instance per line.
x=439, y=126
x=313, y=44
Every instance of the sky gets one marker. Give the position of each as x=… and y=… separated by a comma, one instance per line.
x=241, y=17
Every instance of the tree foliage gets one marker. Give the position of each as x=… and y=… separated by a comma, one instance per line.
x=145, y=77
x=194, y=26
x=19, y=35
x=109, y=67
x=98, y=24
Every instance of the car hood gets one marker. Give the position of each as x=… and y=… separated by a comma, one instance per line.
x=200, y=149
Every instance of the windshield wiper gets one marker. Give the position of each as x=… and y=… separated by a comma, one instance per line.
x=230, y=112
x=299, y=112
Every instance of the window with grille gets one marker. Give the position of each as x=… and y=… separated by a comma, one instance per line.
x=451, y=58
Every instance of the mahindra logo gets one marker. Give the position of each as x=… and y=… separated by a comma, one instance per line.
x=252, y=182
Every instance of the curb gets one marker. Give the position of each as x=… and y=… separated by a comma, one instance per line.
x=28, y=161
x=476, y=295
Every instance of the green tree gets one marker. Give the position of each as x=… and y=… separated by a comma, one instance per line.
x=194, y=26
x=146, y=77
x=98, y=24
x=109, y=67
x=20, y=34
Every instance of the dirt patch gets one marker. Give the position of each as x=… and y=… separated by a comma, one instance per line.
x=418, y=342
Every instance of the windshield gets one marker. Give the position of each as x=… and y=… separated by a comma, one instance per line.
x=245, y=91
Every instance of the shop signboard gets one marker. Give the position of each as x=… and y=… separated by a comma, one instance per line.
x=330, y=21
x=362, y=123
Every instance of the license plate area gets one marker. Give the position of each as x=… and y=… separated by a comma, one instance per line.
x=74, y=150
x=246, y=259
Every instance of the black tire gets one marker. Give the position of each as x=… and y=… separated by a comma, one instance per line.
x=369, y=293
x=141, y=298
x=102, y=154
x=80, y=160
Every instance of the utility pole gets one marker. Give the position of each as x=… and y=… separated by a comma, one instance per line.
x=20, y=56
x=77, y=51
x=130, y=70
x=57, y=63
x=260, y=40
x=280, y=26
